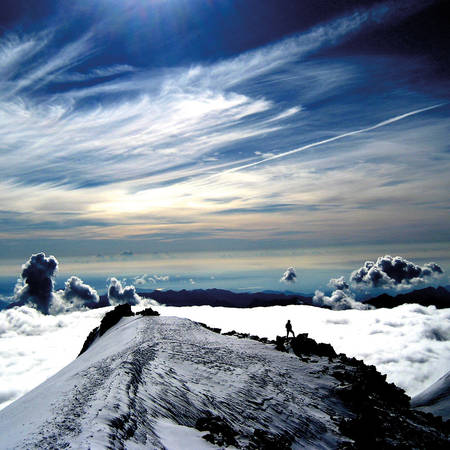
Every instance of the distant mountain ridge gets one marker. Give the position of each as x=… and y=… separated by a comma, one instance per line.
x=439, y=297
x=221, y=297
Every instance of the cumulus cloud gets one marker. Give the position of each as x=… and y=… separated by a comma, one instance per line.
x=394, y=272
x=338, y=300
x=161, y=277
x=289, y=276
x=118, y=294
x=76, y=295
x=36, y=283
x=76, y=290
x=147, y=279
x=338, y=283
x=143, y=279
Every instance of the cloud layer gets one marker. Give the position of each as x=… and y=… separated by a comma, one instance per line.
x=410, y=343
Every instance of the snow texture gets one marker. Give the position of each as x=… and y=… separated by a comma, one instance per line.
x=436, y=398
x=147, y=381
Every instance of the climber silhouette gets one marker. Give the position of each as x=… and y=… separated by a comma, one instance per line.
x=289, y=329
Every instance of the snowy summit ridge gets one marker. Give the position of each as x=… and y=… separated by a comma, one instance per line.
x=166, y=382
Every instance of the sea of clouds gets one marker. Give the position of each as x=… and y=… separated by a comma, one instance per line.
x=410, y=343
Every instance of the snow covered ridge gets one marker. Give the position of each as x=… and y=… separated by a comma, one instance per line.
x=166, y=382
x=436, y=398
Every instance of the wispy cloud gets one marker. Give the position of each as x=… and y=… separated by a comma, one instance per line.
x=15, y=50
x=335, y=138
x=157, y=121
x=101, y=72
x=45, y=69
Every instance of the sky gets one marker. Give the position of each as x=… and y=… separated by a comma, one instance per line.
x=142, y=135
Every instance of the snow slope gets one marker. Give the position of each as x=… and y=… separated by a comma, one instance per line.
x=145, y=383
x=436, y=398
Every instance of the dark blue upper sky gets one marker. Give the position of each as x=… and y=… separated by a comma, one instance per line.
x=173, y=32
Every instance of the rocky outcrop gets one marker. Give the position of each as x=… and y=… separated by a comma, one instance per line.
x=219, y=430
x=110, y=319
x=381, y=414
x=148, y=312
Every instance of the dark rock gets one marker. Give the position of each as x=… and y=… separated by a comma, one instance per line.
x=303, y=345
x=220, y=431
x=263, y=440
x=214, y=330
x=148, y=312
x=280, y=344
x=108, y=321
x=92, y=336
x=113, y=317
x=230, y=333
x=382, y=415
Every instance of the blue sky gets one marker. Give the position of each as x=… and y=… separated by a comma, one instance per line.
x=199, y=125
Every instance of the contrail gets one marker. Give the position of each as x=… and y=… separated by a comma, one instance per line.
x=335, y=138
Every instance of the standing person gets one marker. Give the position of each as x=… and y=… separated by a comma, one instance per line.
x=289, y=329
